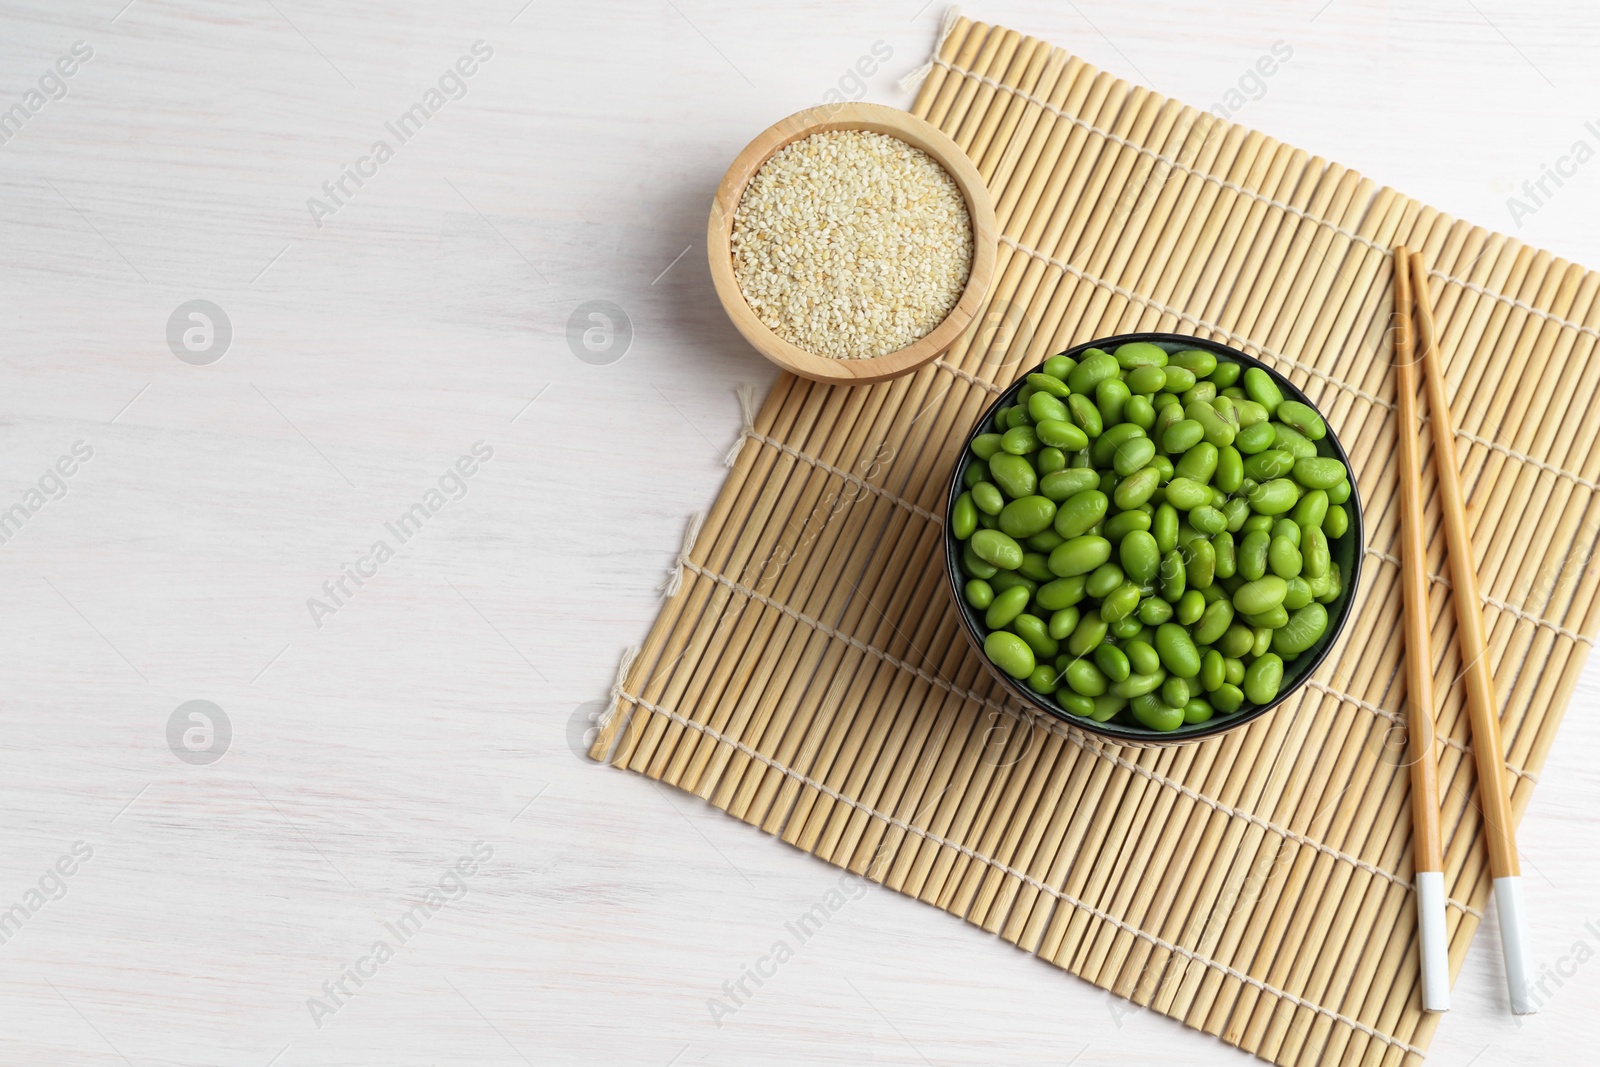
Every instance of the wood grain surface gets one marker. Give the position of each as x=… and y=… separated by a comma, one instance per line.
x=404, y=764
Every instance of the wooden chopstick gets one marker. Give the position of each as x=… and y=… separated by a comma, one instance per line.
x=1493, y=794
x=1427, y=850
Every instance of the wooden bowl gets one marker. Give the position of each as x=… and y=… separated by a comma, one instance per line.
x=852, y=116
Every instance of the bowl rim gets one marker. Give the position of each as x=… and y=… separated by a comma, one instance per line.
x=1188, y=733
x=877, y=118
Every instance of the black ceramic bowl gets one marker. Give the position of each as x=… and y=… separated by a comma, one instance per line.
x=1346, y=552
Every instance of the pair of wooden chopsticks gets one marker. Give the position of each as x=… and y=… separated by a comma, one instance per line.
x=1411, y=296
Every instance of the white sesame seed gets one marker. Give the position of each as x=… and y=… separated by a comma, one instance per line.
x=851, y=244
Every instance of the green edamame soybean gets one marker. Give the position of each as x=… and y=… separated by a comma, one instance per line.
x=1013, y=474
x=1271, y=619
x=1302, y=418
x=1179, y=380
x=1173, y=576
x=1253, y=554
x=1259, y=386
x=1284, y=558
x=1182, y=435
x=1142, y=657
x=1237, y=511
x=985, y=445
x=1230, y=469
x=1026, y=516
x=963, y=517
x=1153, y=611
x=978, y=593
x=1302, y=630
x=1274, y=497
x=1113, y=662
x=1186, y=494
x=1213, y=671
x=1120, y=603
x=1139, y=412
x=1077, y=555
x=1063, y=485
x=1164, y=527
x=1293, y=441
x=1316, y=554
x=1062, y=623
x=1208, y=520
x=1137, y=488
x=987, y=498
x=1085, y=414
x=1340, y=493
x=1043, y=541
x=1105, y=446
x=1049, y=383
x=998, y=549
x=1262, y=678
x=1236, y=641
x=1336, y=522
x=1273, y=463
x=1133, y=455
x=1095, y=367
x=1061, y=593
x=1090, y=631
x=1085, y=679
x=1043, y=680
x=1318, y=472
x=1214, y=623
x=1299, y=594
x=1190, y=606
x=1153, y=712
x=1197, y=711
x=1103, y=579
x=1228, y=698
x=1059, y=366
x=1312, y=509
x=974, y=565
x=1020, y=440
x=1196, y=361
x=1199, y=463
x=1177, y=650
x=1225, y=374
x=1255, y=438
x=1036, y=566
x=1034, y=631
x=1111, y=397
x=1059, y=433
x=1140, y=556
x=1227, y=555
x=1137, y=685
x=1010, y=653
x=1043, y=407
x=1175, y=692
x=1201, y=568
x=1007, y=605
x=1081, y=513
x=1124, y=523
x=1217, y=430
x=1260, y=595
x=1148, y=379
x=1124, y=629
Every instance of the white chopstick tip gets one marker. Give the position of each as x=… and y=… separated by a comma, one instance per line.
x=1514, y=942
x=1433, y=941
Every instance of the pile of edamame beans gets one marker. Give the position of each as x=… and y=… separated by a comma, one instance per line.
x=1147, y=535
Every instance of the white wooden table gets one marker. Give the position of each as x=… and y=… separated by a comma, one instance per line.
x=211, y=907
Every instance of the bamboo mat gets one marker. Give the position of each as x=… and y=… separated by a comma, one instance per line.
x=807, y=675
